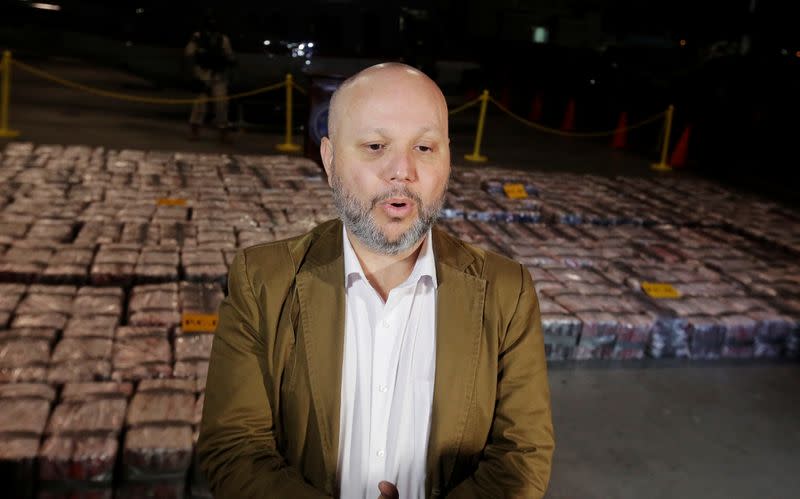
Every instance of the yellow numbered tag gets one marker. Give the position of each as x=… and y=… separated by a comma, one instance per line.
x=199, y=323
x=515, y=191
x=660, y=290
x=171, y=202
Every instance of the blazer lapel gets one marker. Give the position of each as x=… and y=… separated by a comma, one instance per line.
x=459, y=325
x=320, y=289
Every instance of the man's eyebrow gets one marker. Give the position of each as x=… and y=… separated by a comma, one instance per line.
x=384, y=132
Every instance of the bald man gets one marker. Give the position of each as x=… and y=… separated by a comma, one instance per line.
x=376, y=355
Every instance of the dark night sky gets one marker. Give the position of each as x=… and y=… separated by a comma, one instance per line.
x=774, y=23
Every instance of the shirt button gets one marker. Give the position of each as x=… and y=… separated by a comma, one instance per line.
x=383, y=388
x=380, y=453
x=385, y=323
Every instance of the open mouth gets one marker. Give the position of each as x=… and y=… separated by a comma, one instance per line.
x=398, y=207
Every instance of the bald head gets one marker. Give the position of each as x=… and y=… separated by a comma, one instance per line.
x=391, y=80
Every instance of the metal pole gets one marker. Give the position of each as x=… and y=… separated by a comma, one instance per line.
x=288, y=146
x=662, y=165
x=4, y=97
x=476, y=157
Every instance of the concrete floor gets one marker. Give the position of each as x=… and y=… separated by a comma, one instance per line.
x=701, y=431
x=656, y=429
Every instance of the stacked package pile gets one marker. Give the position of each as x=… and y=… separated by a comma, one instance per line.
x=113, y=264
x=79, y=453
x=24, y=410
x=158, y=442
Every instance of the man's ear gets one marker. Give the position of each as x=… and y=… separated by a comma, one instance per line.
x=326, y=152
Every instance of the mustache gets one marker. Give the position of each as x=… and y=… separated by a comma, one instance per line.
x=403, y=191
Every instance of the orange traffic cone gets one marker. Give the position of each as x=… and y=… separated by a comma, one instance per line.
x=678, y=157
x=621, y=135
x=536, y=108
x=568, y=124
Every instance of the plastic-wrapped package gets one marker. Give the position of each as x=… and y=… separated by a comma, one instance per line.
x=159, y=255
x=101, y=326
x=20, y=271
x=10, y=295
x=148, y=272
x=118, y=253
x=206, y=272
x=23, y=374
x=83, y=458
x=84, y=370
x=141, y=358
x=25, y=416
x=36, y=333
x=670, y=337
x=127, y=332
x=191, y=369
x=772, y=332
x=708, y=289
x=139, y=233
x=201, y=256
x=27, y=391
x=79, y=349
x=89, y=391
x=156, y=407
x=740, y=332
x=176, y=233
x=93, y=305
x=92, y=415
x=168, y=385
x=157, y=451
x=154, y=297
x=633, y=336
x=106, y=274
x=200, y=298
x=561, y=332
x=105, y=291
x=23, y=352
x=598, y=335
x=59, y=273
x=193, y=347
x=50, y=320
x=706, y=337
x=154, y=318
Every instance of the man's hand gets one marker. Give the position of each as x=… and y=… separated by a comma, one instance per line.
x=388, y=491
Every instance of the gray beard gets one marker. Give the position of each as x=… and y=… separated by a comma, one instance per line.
x=359, y=221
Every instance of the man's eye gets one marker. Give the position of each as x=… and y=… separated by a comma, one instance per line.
x=375, y=147
x=425, y=148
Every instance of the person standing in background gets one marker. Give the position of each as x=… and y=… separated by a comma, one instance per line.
x=212, y=57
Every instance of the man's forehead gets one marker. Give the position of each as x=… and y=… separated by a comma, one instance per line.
x=389, y=96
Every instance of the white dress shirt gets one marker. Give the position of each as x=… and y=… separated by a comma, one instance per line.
x=387, y=379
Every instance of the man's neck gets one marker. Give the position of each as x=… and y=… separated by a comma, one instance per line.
x=385, y=272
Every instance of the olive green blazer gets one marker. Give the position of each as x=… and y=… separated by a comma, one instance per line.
x=270, y=423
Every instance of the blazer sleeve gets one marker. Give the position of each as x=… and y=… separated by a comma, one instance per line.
x=517, y=457
x=236, y=447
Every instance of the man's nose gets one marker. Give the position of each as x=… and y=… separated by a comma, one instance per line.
x=402, y=168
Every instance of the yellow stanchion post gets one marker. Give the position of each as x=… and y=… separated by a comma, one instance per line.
x=5, y=92
x=662, y=165
x=288, y=145
x=476, y=157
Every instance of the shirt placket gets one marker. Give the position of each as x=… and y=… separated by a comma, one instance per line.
x=383, y=382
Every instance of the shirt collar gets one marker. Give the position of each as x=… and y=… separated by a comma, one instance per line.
x=425, y=266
